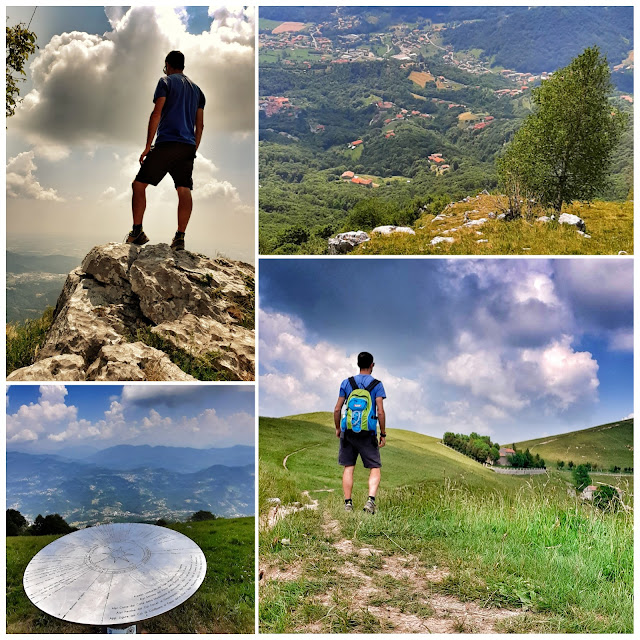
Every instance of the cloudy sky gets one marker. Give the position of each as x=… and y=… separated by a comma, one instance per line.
x=510, y=348
x=52, y=418
x=74, y=142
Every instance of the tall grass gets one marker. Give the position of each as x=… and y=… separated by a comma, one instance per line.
x=24, y=340
x=536, y=549
x=567, y=566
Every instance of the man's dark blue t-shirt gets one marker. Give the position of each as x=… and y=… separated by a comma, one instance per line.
x=178, y=119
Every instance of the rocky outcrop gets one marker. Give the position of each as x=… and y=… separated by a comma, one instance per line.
x=182, y=300
x=346, y=242
x=573, y=221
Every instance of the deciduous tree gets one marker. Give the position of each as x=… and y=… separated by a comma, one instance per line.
x=21, y=43
x=563, y=150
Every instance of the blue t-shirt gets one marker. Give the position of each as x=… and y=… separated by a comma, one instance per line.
x=363, y=380
x=178, y=118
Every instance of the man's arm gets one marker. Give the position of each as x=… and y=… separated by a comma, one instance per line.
x=199, y=126
x=154, y=121
x=337, y=414
x=382, y=420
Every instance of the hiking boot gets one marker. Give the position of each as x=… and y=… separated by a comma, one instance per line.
x=348, y=506
x=139, y=239
x=178, y=242
x=369, y=506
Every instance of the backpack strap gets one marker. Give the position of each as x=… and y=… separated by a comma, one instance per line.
x=353, y=383
x=372, y=385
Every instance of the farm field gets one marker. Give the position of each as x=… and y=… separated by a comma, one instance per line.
x=453, y=547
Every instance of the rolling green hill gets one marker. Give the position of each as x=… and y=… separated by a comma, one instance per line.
x=452, y=548
x=311, y=446
x=223, y=604
x=607, y=445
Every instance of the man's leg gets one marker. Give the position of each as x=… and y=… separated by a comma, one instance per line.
x=374, y=481
x=185, y=206
x=138, y=201
x=347, y=482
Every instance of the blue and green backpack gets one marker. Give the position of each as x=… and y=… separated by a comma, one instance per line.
x=360, y=410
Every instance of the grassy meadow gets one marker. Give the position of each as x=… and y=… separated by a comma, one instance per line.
x=610, y=225
x=223, y=604
x=453, y=547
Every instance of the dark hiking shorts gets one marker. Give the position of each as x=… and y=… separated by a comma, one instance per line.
x=174, y=158
x=365, y=444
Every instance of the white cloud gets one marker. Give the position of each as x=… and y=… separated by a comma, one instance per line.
x=621, y=340
x=301, y=377
x=22, y=182
x=512, y=378
x=563, y=374
x=49, y=412
x=486, y=373
x=92, y=89
x=628, y=417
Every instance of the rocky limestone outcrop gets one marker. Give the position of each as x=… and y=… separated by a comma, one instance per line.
x=194, y=303
x=346, y=242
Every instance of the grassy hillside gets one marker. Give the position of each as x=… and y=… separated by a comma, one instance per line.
x=223, y=604
x=453, y=547
x=309, y=441
x=610, y=225
x=607, y=445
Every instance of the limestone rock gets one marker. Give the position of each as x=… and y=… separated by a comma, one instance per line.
x=121, y=289
x=346, y=242
x=574, y=221
x=201, y=336
x=583, y=234
x=134, y=361
x=475, y=223
x=64, y=368
x=543, y=219
x=501, y=216
x=481, y=241
x=389, y=229
x=439, y=239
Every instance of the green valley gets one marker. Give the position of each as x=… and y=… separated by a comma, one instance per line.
x=372, y=117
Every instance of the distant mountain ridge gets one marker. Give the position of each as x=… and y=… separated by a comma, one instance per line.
x=179, y=459
x=21, y=263
x=85, y=492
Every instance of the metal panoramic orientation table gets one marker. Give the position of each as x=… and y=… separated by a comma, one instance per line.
x=114, y=574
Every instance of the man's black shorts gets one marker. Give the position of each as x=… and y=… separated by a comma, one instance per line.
x=174, y=158
x=364, y=443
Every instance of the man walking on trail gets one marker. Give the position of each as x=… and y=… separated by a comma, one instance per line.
x=357, y=429
x=178, y=119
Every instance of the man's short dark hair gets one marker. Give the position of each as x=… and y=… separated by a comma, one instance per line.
x=175, y=59
x=365, y=360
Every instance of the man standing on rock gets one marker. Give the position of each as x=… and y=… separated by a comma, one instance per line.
x=178, y=119
x=357, y=429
